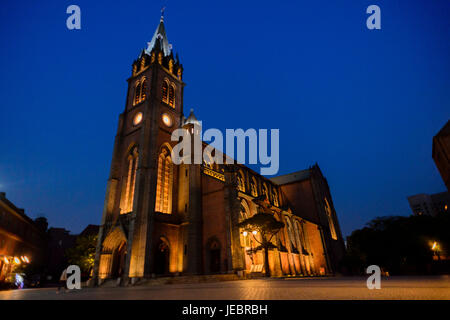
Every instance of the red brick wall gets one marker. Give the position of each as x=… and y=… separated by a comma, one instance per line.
x=214, y=224
x=301, y=198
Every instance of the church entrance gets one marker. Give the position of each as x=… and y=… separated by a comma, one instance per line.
x=119, y=258
x=214, y=257
x=162, y=258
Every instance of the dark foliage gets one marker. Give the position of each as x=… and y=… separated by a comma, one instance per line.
x=400, y=245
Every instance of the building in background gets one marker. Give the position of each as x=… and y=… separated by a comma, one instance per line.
x=165, y=219
x=429, y=204
x=59, y=241
x=22, y=240
x=441, y=153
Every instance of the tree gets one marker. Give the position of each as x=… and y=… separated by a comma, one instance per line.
x=83, y=254
x=400, y=245
x=267, y=226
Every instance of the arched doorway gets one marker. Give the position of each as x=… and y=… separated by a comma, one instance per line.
x=162, y=256
x=119, y=258
x=113, y=255
x=214, y=257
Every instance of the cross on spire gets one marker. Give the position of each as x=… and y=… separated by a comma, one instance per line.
x=162, y=13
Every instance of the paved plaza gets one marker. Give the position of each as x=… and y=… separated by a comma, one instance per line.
x=341, y=288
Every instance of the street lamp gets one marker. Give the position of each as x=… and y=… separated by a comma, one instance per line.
x=435, y=248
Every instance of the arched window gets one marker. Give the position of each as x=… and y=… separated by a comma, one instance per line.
x=140, y=91
x=172, y=95
x=137, y=93
x=165, y=91
x=127, y=197
x=330, y=220
x=240, y=181
x=253, y=187
x=265, y=191
x=164, y=182
x=291, y=235
x=275, y=197
x=144, y=89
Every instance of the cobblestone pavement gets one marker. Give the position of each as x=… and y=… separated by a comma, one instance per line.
x=393, y=288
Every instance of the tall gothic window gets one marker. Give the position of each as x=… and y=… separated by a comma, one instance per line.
x=240, y=181
x=243, y=215
x=164, y=182
x=144, y=89
x=165, y=91
x=168, y=93
x=253, y=187
x=137, y=92
x=291, y=234
x=127, y=198
x=265, y=191
x=330, y=220
x=275, y=197
x=172, y=95
x=140, y=90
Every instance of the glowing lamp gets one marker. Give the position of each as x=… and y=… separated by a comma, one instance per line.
x=16, y=260
x=245, y=233
x=255, y=232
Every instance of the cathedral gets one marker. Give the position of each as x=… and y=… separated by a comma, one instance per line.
x=167, y=219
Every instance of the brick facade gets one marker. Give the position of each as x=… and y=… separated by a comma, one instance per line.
x=183, y=218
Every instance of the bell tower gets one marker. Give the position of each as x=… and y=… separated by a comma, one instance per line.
x=143, y=180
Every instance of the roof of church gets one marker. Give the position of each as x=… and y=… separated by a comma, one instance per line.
x=291, y=177
x=161, y=37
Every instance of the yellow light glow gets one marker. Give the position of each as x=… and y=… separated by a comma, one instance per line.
x=167, y=120
x=255, y=232
x=26, y=259
x=137, y=118
x=6, y=260
x=245, y=233
x=445, y=208
x=434, y=245
x=16, y=260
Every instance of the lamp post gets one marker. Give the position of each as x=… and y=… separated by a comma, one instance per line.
x=435, y=248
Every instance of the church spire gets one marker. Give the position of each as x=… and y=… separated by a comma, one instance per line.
x=160, y=36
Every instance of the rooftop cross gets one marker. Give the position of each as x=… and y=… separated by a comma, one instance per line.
x=162, y=13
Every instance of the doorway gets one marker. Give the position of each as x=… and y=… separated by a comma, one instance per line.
x=119, y=258
x=162, y=256
x=214, y=257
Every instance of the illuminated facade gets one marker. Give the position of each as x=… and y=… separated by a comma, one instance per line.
x=165, y=219
x=21, y=239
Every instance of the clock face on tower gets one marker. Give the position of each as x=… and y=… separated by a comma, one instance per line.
x=167, y=120
x=137, y=118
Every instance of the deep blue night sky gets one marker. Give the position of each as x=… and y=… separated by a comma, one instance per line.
x=363, y=104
